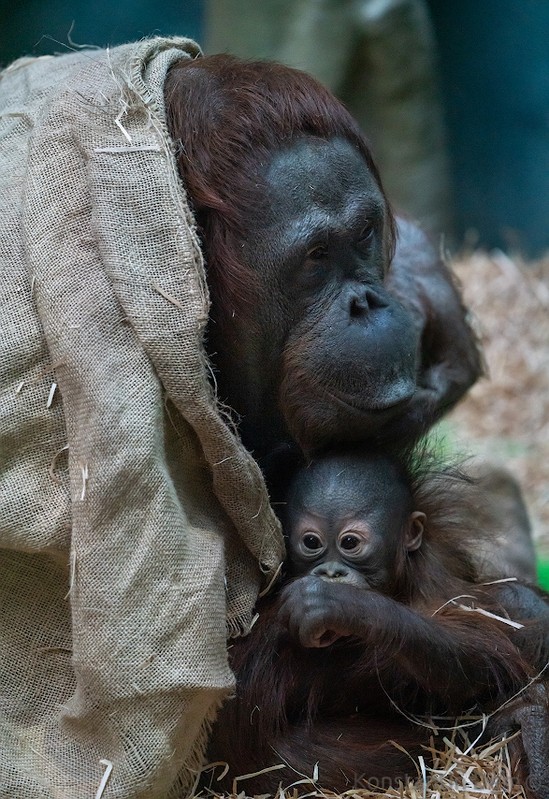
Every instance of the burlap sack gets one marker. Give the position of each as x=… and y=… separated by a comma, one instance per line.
x=134, y=526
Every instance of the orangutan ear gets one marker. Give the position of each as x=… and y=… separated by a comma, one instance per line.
x=414, y=533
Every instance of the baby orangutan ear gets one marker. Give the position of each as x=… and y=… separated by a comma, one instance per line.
x=414, y=533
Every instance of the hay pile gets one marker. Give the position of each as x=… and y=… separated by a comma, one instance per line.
x=458, y=770
x=506, y=415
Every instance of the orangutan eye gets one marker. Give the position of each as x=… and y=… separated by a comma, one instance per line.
x=312, y=542
x=318, y=253
x=366, y=234
x=350, y=542
x=315, y=266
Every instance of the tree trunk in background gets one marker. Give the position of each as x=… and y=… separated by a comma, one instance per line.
x=379, y=57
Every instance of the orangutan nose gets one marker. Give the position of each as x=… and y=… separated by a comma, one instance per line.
x=333, y=570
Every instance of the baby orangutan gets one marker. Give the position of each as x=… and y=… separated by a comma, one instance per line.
x=381, y=619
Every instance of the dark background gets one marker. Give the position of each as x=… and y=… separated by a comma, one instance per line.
x=494, y=66
x=494, y=78
x=38, y=27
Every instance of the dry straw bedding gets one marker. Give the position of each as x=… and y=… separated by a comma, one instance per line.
x=506, y=415
x=455, y=768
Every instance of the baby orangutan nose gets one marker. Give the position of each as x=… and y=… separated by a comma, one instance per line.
x=333, y=570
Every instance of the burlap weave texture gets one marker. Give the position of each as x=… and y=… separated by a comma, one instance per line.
x=134, y=528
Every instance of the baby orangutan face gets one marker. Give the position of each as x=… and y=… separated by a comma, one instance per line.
x=350, y=519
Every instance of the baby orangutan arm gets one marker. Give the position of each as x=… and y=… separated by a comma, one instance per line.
x=455, y=654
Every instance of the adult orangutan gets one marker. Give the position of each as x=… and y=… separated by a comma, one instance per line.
x=330, y=322
x=314, y=335
x=136, y=529
x=382, y=617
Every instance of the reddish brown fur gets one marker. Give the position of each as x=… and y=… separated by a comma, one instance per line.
x=331, y=706
x=242, y=113
x=236, y=127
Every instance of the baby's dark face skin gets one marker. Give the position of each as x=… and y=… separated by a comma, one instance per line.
x=347, y=517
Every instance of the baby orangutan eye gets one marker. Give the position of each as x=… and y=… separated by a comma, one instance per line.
x=350, y=542
x=354, y=543
x=312, y=542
